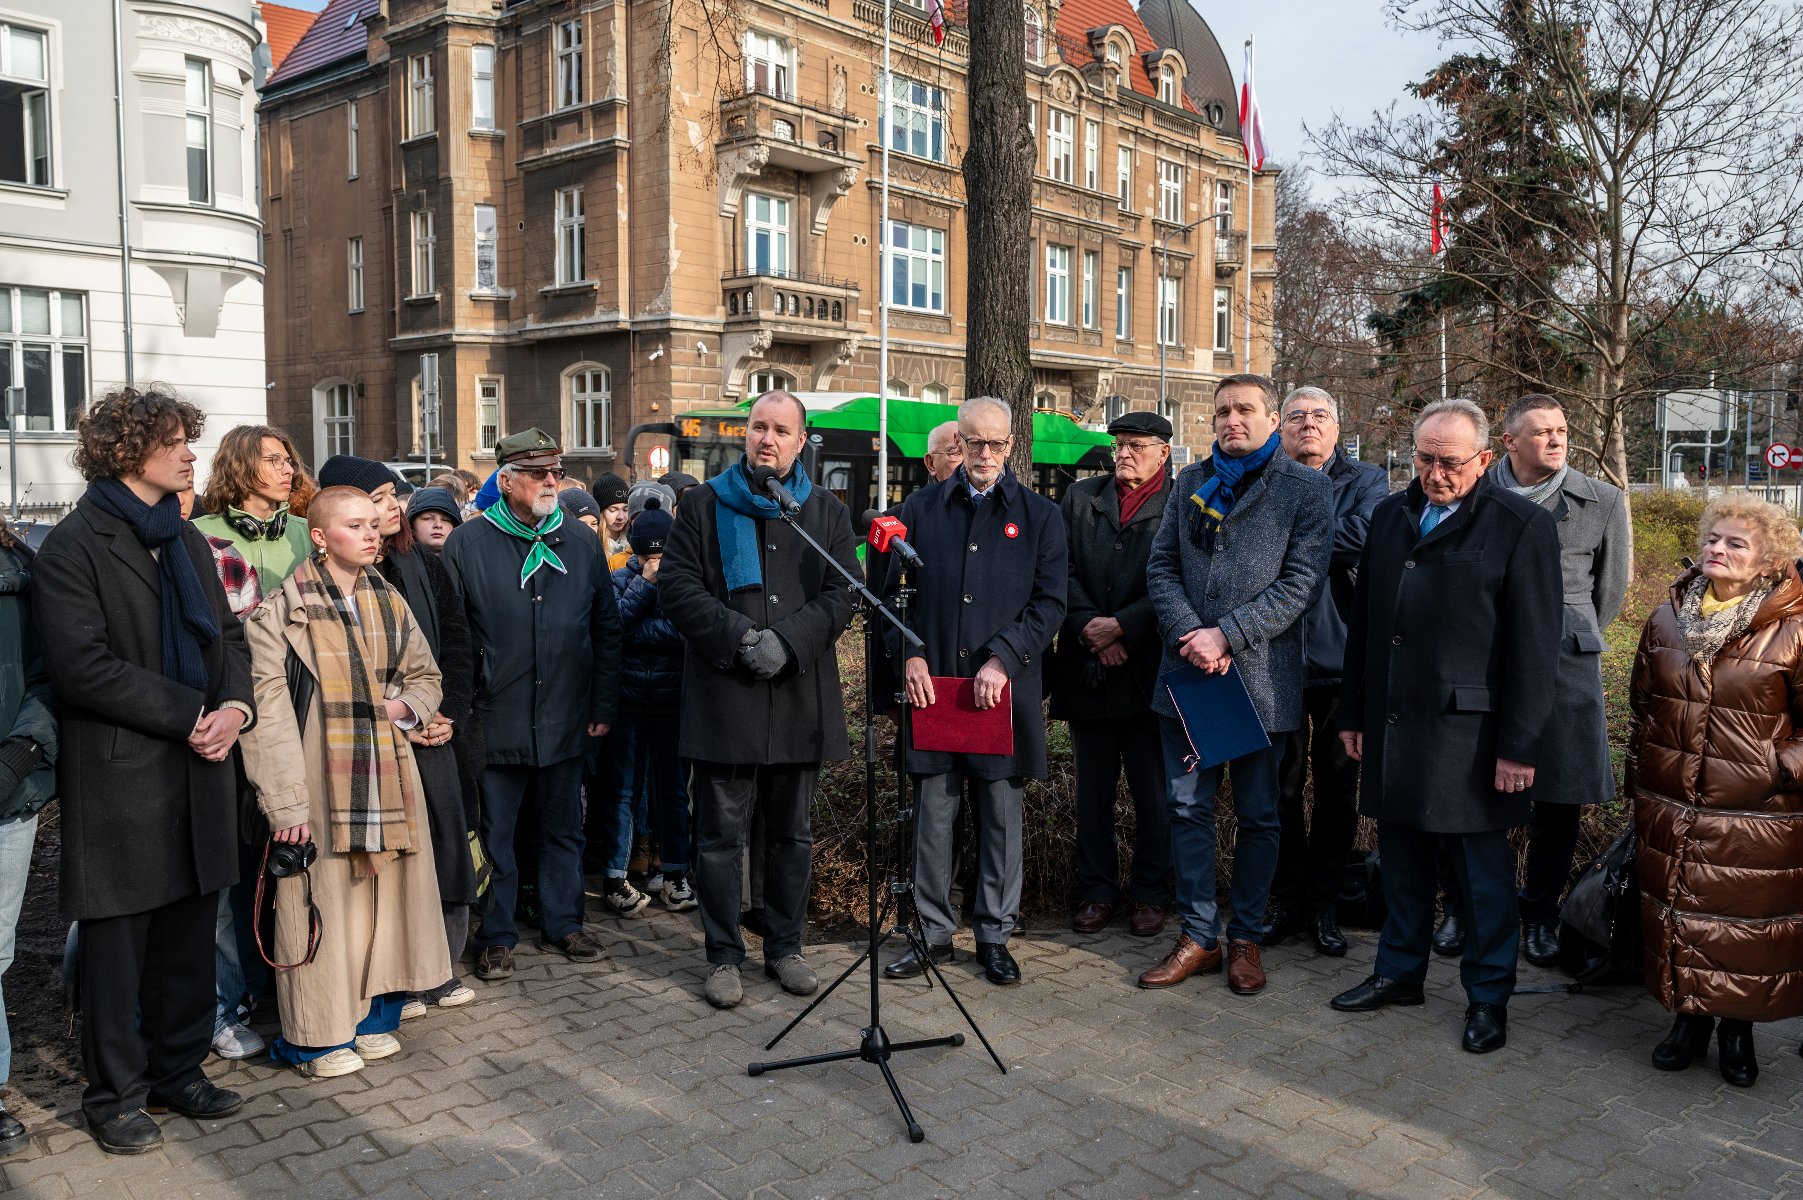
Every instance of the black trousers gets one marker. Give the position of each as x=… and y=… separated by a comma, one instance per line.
x=1311, y=857
x=1484, y=865
x=146, y=1003
x=1104, y=750
x=725, y=795
x=1552, y=843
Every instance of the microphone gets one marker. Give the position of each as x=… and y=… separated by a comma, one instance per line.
x=886, y=534
x=767, y=481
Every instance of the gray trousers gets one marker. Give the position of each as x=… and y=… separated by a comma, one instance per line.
x=996, y=803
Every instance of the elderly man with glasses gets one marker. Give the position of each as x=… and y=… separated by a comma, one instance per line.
x=945, y=453
x=1451, y=655
x=541, y=612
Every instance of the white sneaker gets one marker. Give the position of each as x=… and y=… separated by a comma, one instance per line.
x=623, y=898
x=678, y=895
x=461, y=994
x=415, y=1007
x=372, y=1046
x=328, y=1066
x=237, y=1040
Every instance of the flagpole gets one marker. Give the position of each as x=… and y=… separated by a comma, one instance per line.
x=1443, y=355
x=1251, y=213
x=882, y=304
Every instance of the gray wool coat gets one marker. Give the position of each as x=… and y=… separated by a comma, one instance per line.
x=1268, y=567
x=1594, y=561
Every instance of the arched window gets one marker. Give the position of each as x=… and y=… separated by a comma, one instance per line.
x=1167, y=84
x=936, y=393
x=769, y=381
x=334, y=418
x=1035, y=39
x=898, y=389
x=590, y=407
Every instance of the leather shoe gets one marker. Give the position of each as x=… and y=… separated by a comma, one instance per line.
x=1688, y=1040
x=13, y=1137
x=1245, y=973
x=1377, y=992
x=1185, y=959
x=200, y=1100
x=1449, y=938
x=1734, y=1052
x=1148, y=920
x=1540, y=943
x=1092, y=917
x=494, y=962
x=1486, y=1028
x=131, y=1132
x=998, y=965
x=1325, y=929
x=912, y=964
x=1281, y=923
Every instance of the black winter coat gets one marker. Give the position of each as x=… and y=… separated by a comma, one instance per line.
x=651, y=663
x=1358, y=488
x=146, y=821
x=1450, y=658
x=1107, y=579
x=24, y=687
x=993, y=587
x=728, y=714
x=547, y=654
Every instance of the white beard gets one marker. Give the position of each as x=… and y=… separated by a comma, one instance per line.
x=544, y=506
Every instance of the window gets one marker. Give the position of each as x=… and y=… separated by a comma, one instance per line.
x=1058, y=285
x=766, y=64
x=572, y=236
x=1167, y=84
x=1033, y=128
x=766, y=234
x=425, y=255
x=569, y=65
x=916, y=267
x=1115, y=53
x=425, y=406
x=1035, y=34
x=1170, y=192
x=770, y=381
x=198, y=99
x=936, y=393
x=1123, y=176
x=1092, y=154
x=897, y=389
x=591, y=408
x=1060, y=133
x=24, y=106
x=482, y=87
x=1167, y=408
x=335, y=405
x=1223, y=197
x=1114, y=407
x=487, y=277
x=420, y=114
x=44, y=349
x=353, y=292
x=488, y=411
x=1224, y=319
x=352, y=150
x=1123, y=303
x=916, y=119
x=1168, y=329
x=1092, y=267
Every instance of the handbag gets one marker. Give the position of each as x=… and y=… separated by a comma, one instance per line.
x=1600, y=938
x=253, y=826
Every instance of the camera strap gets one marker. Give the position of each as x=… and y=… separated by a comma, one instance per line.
x=315, y=926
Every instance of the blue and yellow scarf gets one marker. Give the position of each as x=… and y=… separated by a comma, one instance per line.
x=1220, y=491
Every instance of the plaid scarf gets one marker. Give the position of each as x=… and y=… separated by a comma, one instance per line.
x=358, y=644
x=540, y=555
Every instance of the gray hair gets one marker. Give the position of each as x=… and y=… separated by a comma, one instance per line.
x=1460, y=407
x=969, y=408
x=933, y=438
x=1311, y=392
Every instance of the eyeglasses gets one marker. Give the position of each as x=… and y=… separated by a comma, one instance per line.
x=985, y=445
x=1451, y=466
x=1303, y=416
x=278, y=461
x=1135, y=447
x=540, y=474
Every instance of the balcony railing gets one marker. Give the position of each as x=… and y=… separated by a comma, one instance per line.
x=802, y=135
x=1230, y=251
x=801, y=304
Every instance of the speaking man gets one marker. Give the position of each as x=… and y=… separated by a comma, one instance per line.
x=1450, y=657
x=761, y=704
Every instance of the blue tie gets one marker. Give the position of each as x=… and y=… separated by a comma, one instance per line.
x=1433, y=516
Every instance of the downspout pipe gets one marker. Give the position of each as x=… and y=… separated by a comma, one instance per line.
x=124, y=209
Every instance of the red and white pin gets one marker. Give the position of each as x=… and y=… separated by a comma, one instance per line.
x=1011, y=529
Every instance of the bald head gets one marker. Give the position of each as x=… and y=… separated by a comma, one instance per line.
x=944, y=452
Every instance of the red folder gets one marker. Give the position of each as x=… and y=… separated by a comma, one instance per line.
x=953, y=724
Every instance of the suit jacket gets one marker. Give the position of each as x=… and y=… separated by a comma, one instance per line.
x=1358, y=488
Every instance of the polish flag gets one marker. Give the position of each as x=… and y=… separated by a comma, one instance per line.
x=1437, y=238
x=936, y=18
x=1252, y=129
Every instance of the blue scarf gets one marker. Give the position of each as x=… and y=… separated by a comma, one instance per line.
x=188, y=622
x=1218, y=494
x=736, y=517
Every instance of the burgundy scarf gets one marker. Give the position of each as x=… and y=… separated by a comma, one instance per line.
x=1133, y=498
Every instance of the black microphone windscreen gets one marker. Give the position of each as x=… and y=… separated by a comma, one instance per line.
x=869, y=517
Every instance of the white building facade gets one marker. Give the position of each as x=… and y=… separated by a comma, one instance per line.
x=175, y=150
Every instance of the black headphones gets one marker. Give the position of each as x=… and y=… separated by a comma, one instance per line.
x=253, y=530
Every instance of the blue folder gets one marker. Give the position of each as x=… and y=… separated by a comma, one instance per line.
x=1217, y=714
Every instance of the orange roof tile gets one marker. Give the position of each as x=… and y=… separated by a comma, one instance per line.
x=285, y=25
x=1077, y=17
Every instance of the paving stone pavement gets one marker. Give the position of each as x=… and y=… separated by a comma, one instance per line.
x=617, y=1080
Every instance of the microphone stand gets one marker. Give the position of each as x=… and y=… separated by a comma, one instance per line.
x=874, y=1045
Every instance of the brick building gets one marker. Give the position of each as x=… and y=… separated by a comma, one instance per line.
x=586, y=214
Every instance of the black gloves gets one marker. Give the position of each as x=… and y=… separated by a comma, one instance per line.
x=763, y=652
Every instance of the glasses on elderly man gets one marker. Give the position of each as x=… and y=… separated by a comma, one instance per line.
x=1138, y=447
x=1428, y=462
x=984, y=445
x=540, y=474
x=1302, y=416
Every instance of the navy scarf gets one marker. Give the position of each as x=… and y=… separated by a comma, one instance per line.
x=1220, y=491
x=188, y=623
x=736, y=517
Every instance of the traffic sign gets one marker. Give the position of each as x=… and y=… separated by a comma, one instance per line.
x=1780, y=455
x=660, y=459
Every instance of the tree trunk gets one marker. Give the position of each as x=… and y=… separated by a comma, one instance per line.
x=998, y=189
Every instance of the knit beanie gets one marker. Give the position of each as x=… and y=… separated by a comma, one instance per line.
x=347, y=470
x=435, y=499
x=577, y=503
x=652, y=529
x=609, y=490
x=645, y=491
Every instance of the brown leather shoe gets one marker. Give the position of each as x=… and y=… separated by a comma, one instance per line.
x=1245, y=973
x=1148, y=921
x=494, y=962
x=1092, y=917
x=1185, y=959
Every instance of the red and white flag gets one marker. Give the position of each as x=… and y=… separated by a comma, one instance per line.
x=936, y=18
x=1252, y=129
x=1437, y=238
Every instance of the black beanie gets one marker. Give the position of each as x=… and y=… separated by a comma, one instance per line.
x=609, y=490
x=650, y=531
x=364, y=474
x=434, y=499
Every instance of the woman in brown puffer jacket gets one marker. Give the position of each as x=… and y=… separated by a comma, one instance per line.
x=1715, y=770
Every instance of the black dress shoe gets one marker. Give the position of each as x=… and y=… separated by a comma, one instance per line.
x=1449, y=938
x=200, y=1100
x=1281, y=923
x=911, y=964
x=1486, y=1028
x=13, y=1137
x=130, y=1132
x=1688, y=1040
x=1734, y=1052
x=1325, y=929
x=1540, y=943
x=1377, y=992
x=998, y=965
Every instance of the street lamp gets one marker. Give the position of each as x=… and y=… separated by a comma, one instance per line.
x=1164, y=262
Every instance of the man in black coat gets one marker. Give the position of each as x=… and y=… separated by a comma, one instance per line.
x=988, y=602
x=1311, y=857
x=547, y=636
x=153, y=676
x=1104, y=670
x=761, y=613
x=1450, y=656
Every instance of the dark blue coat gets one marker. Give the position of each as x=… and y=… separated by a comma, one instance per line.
x=651, y=662
x=984, y=593
x=1358, y=487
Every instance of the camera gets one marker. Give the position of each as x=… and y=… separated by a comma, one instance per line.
x=288, y=858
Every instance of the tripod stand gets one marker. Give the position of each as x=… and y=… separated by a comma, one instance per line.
x=874, y=1045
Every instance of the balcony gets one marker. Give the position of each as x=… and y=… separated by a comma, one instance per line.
x=799, y=136
x=790, y=306
x=1230, y=251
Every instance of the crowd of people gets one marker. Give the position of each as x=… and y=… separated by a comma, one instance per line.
x=334, y=737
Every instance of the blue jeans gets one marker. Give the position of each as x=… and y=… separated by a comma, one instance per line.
x=557, y=792
x=653, y=784
x=384, y=1017
x=1190, y=799
x=16, y=838
x=228, y=972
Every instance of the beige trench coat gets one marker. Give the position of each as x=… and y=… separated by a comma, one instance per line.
x=381, y=934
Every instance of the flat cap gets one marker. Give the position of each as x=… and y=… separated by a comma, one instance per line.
x=1141, y=422
x=527, y=448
